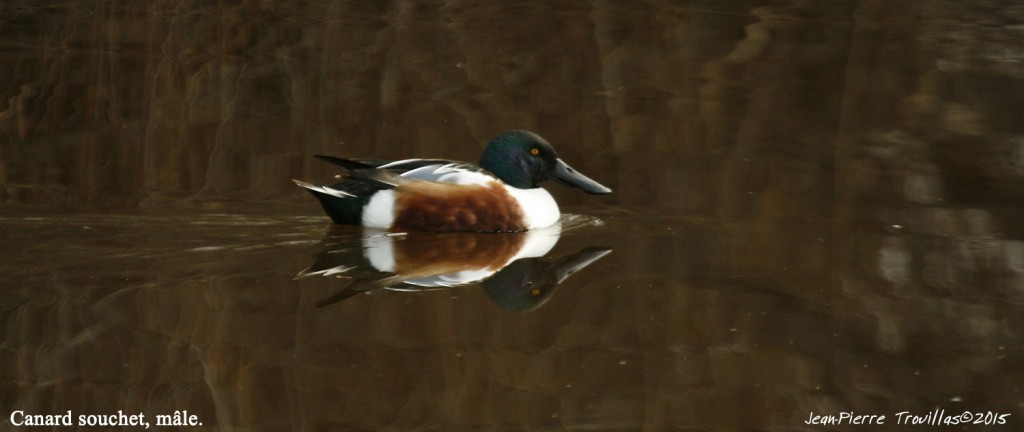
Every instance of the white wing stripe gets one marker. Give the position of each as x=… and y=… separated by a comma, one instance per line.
x=323, y=189
x=449, y=173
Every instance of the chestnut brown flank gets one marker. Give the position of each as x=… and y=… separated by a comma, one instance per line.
x=427, y=206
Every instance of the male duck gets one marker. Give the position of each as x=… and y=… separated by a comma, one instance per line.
x=499, y=195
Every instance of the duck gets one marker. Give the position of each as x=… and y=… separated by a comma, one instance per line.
x=501, y=193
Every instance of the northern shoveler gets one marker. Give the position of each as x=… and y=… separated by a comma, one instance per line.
x=499, y=195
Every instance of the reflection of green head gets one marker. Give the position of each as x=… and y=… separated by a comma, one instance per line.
x=522, y=286
x=528, y=283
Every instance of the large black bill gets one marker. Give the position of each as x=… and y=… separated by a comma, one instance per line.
x=569, y=176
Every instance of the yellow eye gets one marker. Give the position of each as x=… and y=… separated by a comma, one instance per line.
x=535, y=292
x=534, y=151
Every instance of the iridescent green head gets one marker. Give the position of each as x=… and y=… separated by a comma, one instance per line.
x=522, y=159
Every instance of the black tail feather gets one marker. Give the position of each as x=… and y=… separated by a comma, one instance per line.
x=380, y=178
x=347, y=164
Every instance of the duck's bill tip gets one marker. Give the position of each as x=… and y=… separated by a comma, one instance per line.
x=567, y=175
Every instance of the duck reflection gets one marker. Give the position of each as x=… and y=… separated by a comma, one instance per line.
x=512, y=268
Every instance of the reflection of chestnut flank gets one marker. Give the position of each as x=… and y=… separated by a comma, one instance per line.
x=425, y=205
x=421, y=256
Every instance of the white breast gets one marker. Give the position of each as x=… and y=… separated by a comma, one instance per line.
x=539, y=207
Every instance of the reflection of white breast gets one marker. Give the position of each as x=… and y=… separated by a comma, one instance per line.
x=379, y=250
x=539, y=241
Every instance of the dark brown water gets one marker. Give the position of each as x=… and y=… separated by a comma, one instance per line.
x=818, y=208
